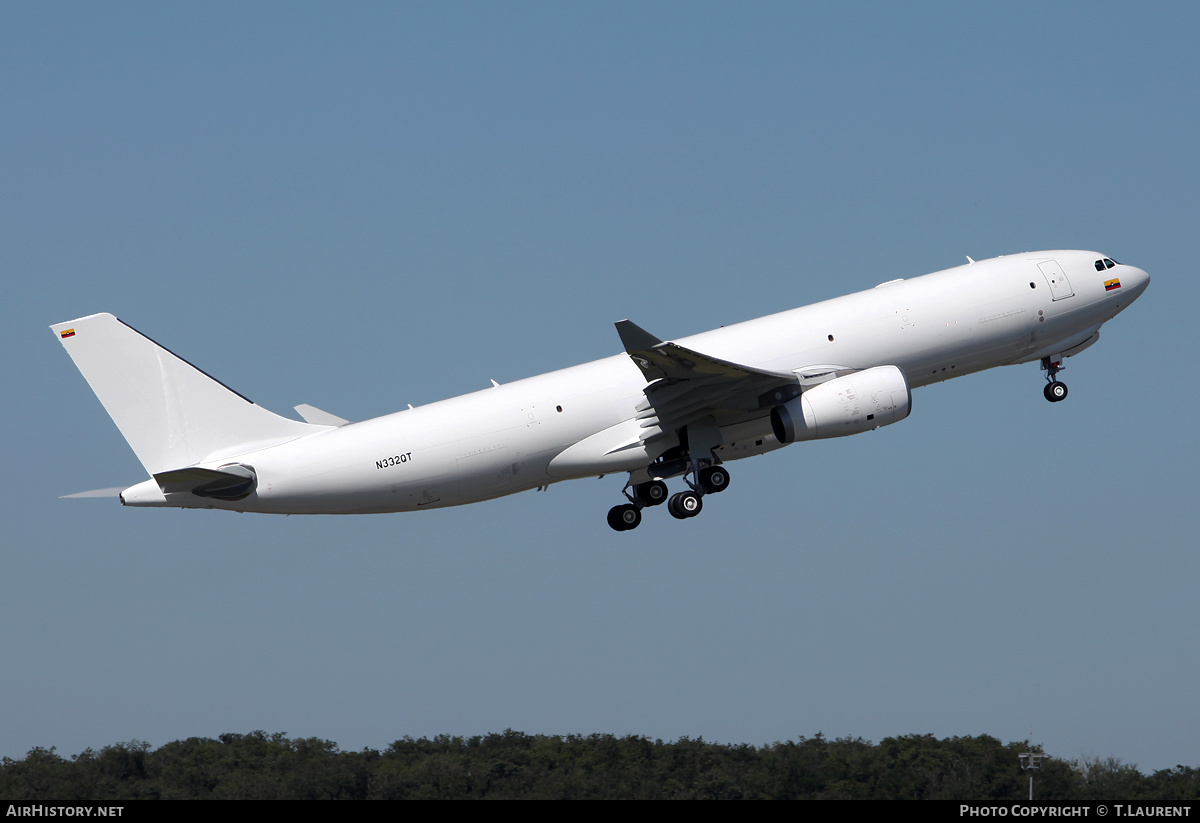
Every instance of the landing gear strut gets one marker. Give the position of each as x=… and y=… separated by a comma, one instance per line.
x=709, y=480
x=1054, y=391
x=695, y=459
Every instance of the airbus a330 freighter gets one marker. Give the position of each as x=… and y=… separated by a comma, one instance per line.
x=662, y=410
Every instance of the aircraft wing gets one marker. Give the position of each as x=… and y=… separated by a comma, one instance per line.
x=686, y=385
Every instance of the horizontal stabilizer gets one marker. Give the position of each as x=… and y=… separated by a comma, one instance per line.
x=113, y=492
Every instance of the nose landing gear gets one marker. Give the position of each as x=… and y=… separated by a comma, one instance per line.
x=1054, y=390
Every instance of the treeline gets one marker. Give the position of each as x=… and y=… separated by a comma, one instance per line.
x=515, y=765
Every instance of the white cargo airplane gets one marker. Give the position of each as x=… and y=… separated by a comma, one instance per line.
x=661, y=410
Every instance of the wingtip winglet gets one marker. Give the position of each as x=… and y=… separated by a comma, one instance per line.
x=634, y=337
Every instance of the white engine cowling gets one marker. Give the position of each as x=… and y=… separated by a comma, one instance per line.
x=846, y=405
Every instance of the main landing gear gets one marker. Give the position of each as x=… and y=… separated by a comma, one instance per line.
x=629, y=516
x=1054, y=391
x=682, y=505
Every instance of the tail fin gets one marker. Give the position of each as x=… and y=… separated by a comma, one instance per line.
x=172, y=414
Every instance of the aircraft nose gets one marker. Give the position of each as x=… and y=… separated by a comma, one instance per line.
x=1138, y=280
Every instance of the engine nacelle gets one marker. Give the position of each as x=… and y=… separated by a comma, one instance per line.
x=846, y=405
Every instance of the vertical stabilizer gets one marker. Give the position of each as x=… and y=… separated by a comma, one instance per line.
x=172, y=414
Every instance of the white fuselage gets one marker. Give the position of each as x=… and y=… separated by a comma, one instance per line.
x=537, y=431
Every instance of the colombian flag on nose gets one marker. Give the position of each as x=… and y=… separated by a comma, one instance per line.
x=1110, y=285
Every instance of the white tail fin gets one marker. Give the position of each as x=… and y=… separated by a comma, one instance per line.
x=172, y=414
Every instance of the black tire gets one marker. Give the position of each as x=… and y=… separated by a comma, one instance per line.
x=714, y=479
x=623, y=518
x=685, y=504
x=652, y=493
x=1055, y=391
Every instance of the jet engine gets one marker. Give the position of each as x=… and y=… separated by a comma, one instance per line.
x=845, y=405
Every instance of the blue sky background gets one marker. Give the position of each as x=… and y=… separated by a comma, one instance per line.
x=360, y=206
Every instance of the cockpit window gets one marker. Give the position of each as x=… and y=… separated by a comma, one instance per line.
x=1106, y=263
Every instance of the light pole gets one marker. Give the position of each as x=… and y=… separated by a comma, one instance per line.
x=1031, y=761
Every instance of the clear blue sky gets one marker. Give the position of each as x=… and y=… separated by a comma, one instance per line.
x=360, y=206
